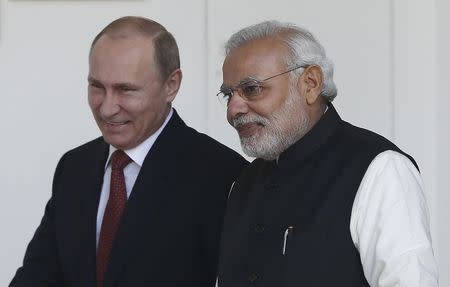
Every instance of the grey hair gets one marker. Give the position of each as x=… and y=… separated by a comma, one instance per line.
x=303, y=49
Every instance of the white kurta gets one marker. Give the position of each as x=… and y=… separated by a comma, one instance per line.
x=390, y=225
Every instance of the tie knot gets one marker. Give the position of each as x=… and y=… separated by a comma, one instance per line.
x=119, y=160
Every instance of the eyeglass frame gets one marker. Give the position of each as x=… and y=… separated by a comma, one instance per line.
x=257, y=83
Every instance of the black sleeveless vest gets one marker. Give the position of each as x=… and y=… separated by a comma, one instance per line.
x=288, y=223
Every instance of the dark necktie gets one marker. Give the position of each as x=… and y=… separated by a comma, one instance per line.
x=113, y=212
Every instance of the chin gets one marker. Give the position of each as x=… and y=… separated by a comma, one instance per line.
x=117, y=144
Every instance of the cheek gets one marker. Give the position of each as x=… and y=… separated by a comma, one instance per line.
x=144, y=112
x=94, y=100
x=273, y=104
x=229, y=117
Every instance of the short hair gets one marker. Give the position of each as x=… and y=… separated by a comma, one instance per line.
x=167, y=57
x=303, y=49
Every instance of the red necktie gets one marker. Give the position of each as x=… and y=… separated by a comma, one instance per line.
x=113, y=212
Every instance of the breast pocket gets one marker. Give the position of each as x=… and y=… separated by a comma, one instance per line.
x=304, y=258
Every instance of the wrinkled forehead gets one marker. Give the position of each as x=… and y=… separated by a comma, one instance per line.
x=259, y=58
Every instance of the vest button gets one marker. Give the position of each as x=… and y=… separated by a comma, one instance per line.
x=259, y=228
x=252, y=277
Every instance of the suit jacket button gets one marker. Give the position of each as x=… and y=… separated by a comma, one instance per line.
x=253, y=277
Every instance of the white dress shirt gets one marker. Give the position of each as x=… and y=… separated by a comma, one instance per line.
x=130, y=172
x=389, y=225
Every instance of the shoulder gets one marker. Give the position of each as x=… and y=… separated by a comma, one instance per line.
x=189, y=142
x=392, y=166
x=86, y=149
x=210, y=149
x=84, y=154
x=362, y=141
x=365, y=137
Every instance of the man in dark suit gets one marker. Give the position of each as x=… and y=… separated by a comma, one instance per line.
x=143, y=204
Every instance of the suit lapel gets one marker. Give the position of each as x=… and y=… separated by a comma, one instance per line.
x=94, y=170
x=148, y=198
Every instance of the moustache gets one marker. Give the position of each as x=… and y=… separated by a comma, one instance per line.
x=243, y=120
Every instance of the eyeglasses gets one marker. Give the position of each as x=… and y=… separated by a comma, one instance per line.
x=249, y=88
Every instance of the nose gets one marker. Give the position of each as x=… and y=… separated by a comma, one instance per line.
x=109, y=106
x=237, y=106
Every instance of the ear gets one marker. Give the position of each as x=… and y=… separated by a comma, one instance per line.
x=312, y=82
x=172, y=84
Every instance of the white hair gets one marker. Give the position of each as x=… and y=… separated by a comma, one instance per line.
x=304, y=49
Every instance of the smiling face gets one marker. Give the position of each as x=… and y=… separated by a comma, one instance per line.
x=127, y=97
x=279, y=116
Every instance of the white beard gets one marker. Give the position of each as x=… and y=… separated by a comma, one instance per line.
x=279, y=131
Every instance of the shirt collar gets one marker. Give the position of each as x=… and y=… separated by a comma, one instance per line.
x=138, y=153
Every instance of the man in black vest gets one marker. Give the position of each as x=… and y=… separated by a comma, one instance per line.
x=325, y=203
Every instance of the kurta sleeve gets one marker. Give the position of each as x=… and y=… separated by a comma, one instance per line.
x=390, y=225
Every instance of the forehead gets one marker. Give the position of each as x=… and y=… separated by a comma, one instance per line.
x=259, y=58
x=132, y=47
x=121, y=57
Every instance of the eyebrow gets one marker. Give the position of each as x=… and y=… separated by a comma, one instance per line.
x=248, y=79
x=244, y=81
x=128, y=85
x=115, y=85
x=92, y=80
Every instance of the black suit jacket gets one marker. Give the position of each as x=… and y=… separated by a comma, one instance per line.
x=170, y=229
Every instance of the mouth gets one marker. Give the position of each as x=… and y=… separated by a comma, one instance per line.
x=248, y=129
x=115, y=124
